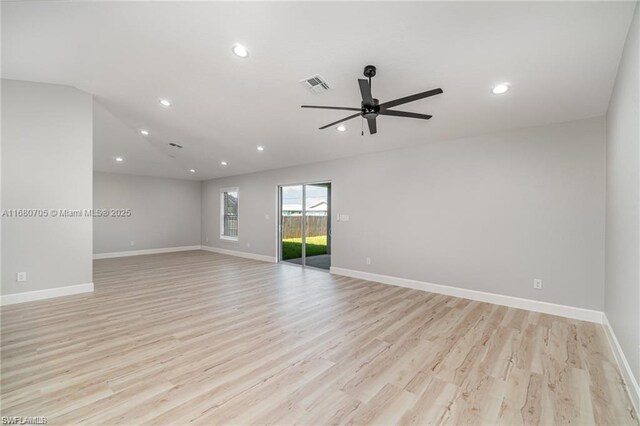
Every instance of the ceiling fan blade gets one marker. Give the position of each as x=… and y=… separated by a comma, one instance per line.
x=411, y=98
x=373, y=127
x=365, y=91
x=340, y=121
x=331, y=107
x=405, y=114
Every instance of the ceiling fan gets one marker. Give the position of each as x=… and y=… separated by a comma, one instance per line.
x=370, y=108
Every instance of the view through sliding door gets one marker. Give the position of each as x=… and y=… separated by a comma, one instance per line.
x=305, y=224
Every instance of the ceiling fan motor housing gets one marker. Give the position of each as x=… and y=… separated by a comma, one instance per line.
x=370, y=111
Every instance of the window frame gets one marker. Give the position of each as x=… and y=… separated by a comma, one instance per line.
x=222, y=192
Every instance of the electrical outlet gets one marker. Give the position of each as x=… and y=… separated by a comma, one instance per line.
x=132, y=243
x=21, y=277
x=368, y=261
x=537, y=283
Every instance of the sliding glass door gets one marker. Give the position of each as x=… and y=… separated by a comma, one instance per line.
x=291, y=208
x=316, y=225
x=305, y=225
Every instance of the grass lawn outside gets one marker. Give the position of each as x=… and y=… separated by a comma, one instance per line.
x=292, y=247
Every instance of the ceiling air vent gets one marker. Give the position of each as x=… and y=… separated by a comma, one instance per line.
x=315, y=84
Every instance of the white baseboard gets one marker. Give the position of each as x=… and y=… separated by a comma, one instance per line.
x=498, y=299
x=30, y=296
x=623, y=365
x=141, y=252
x=261, y=257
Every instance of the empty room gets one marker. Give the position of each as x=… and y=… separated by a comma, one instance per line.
x=319, y=213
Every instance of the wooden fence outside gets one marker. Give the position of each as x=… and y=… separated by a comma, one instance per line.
x=292, y=226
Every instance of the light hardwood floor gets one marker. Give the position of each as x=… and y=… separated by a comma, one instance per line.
x=212, y=339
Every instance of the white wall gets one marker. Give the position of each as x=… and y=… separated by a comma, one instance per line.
x=488, y=213
x=165, y=212
x=46, y=164
x=622, y=285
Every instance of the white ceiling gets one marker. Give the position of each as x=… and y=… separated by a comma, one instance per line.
x=560, y=57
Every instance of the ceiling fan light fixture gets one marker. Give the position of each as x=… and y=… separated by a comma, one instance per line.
x=145, y=132
x=260, y=148
x=240, y=51
x=223, y=163
x=164, y=102
x=341, y=128
x=500, y=89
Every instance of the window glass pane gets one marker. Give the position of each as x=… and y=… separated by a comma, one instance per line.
x=291, y=224
x=230, y=213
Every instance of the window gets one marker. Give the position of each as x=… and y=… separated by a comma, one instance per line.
x=229, y=214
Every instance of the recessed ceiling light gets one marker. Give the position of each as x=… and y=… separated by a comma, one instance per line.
x=192, y=170
x=164, y=102
x=260, y=148
x=341, y=128
x=223, y=163
x=239, y=50
x=119, y=159
x=501, y=88
x=145, y=132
